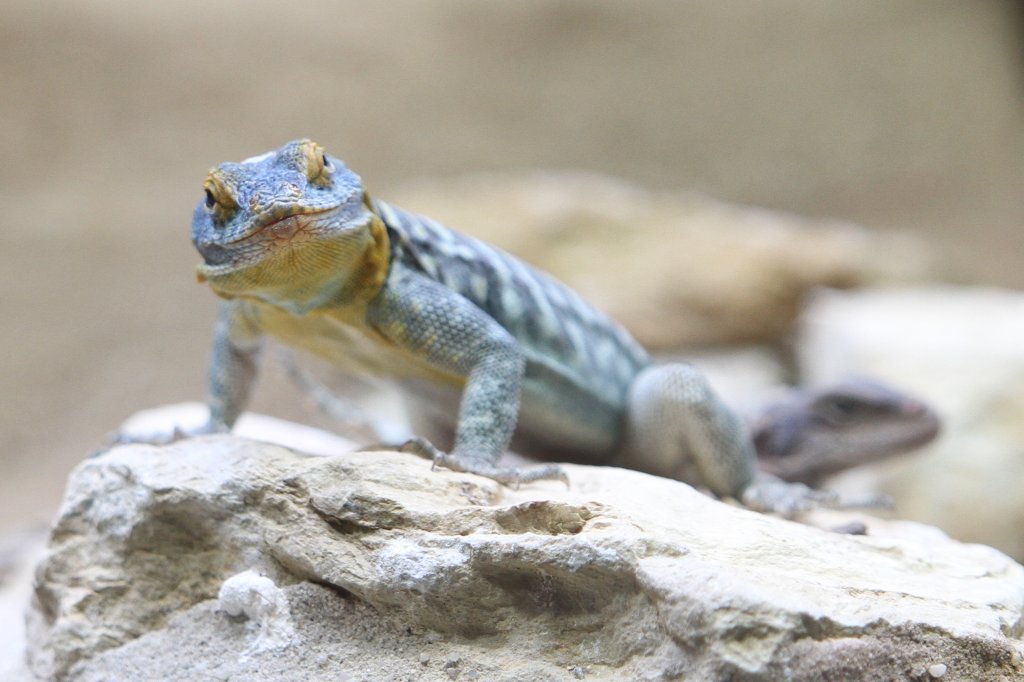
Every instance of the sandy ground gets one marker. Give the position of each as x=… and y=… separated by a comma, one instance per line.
x=897, y=115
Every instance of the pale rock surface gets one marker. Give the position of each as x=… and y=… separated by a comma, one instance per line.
x=392, y=571
x=254, y=597
x=20, y=551
x=677, y=269
x=962, y=350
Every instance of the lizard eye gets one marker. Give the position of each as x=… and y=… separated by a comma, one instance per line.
x=842, y=408
x=318, y=167
x=844, y=405
x=219, y=201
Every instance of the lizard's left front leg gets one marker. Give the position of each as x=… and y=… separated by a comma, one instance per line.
x=440, y=327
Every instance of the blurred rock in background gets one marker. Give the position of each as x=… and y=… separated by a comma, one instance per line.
x=679, y=270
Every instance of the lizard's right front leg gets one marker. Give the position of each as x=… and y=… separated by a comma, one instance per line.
x=444, y=330
x=233, y=365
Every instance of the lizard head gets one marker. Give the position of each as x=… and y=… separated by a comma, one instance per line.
x=290, y=226
x=819, y=432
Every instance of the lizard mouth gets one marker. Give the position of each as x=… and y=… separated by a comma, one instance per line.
x=276, y=232
x=283, y=228
x=927, y=431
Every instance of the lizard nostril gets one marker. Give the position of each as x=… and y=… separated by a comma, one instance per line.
x=914, y=409
x=212, y=253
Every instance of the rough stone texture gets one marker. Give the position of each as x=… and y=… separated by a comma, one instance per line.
x=962, y=349
x=392, y=571
x=677, y=269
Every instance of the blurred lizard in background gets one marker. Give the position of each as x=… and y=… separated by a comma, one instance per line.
x=480, y=344
x=809, y=434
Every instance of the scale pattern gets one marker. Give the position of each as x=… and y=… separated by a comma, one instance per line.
x=556, y=329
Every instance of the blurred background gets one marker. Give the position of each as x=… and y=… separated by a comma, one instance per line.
x=902, y=115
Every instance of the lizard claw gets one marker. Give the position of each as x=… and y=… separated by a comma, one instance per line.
x=422, y=448
x=770, y=494
x=870, y=501
x=508, y=476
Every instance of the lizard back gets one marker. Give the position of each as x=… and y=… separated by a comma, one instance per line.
x=568, y=344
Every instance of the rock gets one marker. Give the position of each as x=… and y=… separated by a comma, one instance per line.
x=677, y=269
x=254, y=597
x=392, y=571
x=962, y=350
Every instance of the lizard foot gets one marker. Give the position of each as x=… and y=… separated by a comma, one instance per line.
x=155, y=427
x=869, y=501
x=770, y=494
x=118, y=438
x=172, y=435
x=509, y=476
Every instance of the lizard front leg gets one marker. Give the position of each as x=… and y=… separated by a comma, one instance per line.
x=444, y=330
x=237, y=344
x=677, y=427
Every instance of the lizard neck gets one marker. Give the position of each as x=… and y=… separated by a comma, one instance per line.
x=368, y=274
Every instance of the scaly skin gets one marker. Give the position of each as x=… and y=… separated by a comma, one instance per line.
x=474, y=337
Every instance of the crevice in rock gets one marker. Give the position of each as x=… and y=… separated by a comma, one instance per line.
x=336, y=589
x=345, y=526
x=546, y=517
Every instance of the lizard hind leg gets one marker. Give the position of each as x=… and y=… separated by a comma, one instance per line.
x=678, y=427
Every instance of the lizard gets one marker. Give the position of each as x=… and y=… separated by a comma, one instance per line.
x=477, y=340
x=800, y=434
